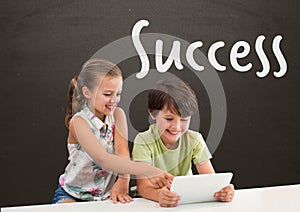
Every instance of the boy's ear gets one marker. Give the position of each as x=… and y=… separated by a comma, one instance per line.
x=86, y=92
x=151, y=115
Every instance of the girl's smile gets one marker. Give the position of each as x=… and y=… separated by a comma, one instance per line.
x=104, y=99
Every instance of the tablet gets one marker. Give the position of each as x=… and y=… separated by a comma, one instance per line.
x=199, y=188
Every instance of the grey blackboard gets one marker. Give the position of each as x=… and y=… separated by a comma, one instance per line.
x=44, y=43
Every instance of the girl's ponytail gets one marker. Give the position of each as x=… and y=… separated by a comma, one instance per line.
x=72, y=92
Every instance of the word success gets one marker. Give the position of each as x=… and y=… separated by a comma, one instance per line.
x=235, y=54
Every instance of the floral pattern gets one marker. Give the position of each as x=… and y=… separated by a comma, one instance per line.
x=83, y=178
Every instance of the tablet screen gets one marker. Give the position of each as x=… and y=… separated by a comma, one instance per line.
x=199, y=188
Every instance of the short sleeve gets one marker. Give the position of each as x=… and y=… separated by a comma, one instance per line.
x=200, y=152
x=141, y=151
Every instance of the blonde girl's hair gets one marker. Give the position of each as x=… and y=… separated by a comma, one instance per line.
x=92, y=72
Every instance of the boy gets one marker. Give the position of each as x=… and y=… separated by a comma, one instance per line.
x=169, y=144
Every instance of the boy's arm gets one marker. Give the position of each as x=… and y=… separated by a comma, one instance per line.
x=163, y=196
x=225, y=194
x=205, y=167
x=147, y=190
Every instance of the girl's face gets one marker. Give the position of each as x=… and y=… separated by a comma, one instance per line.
x=104, y=99
x=171, y=126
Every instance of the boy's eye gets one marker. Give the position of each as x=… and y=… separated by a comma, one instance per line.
x=169, y=119
x=107, y=94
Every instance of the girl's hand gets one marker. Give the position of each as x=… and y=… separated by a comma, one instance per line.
x=225, y=194
x=166, y=198
x=119, y=191
x=161, y=180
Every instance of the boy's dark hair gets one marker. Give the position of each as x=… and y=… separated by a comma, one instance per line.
x=175, y=95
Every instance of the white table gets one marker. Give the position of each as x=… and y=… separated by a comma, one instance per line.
x=269, y=199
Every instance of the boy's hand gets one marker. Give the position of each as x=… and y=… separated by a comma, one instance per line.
x=225, y=194
x=166, y=198
x=161, y=180
x=119, y=191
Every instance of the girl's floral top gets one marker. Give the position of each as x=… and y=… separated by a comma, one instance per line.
x=83, y=178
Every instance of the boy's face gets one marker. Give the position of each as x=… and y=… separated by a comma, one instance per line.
x=170, y=126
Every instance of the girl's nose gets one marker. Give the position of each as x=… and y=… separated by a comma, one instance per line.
x=114, y=99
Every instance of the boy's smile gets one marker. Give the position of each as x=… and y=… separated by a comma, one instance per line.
x=170, y=126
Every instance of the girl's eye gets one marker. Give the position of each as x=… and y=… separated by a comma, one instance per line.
x=169, y=119
x=107, y=94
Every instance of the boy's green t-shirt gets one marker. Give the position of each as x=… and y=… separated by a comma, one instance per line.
x=148, y=147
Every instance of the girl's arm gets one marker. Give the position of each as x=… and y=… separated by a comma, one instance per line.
x=119, y=191
x=121, y=133
x=80, y=129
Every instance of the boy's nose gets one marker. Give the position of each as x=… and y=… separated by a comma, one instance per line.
x=176, y=124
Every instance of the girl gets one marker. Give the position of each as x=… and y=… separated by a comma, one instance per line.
x=97, y=129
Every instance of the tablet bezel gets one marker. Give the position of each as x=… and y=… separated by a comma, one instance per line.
x=199, y=188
